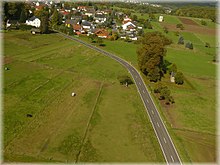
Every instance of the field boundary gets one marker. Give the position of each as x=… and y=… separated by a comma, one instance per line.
x=89, y=123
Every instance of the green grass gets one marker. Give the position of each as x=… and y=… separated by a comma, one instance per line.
x=192, y=63
x=210, y=24
x=43, y=74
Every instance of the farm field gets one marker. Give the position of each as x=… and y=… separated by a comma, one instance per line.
x=104, y=122
x=191, y=121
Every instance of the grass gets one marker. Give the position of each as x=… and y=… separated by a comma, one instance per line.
x=42, y=75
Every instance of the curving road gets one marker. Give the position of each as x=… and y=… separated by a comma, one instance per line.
x=166, y=144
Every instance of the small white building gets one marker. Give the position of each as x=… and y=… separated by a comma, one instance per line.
x=161, y=18
x=33, y=21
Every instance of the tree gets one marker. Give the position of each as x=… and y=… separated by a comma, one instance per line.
x=152, y=16
x=181, y=40
x=124, y=79
x=150, y=55
x=23, y=17
x=165, y=29
x=179, y=78
x=71, y=30
x=189, y=45
x=180, y=26
x=173, y=68
x=100, y=41
x=165, y=93
x=203, y=22
x=207, y=45
x=55, y=19
x=44, y=26
x=135, y=18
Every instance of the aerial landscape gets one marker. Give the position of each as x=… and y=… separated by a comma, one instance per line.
x=109, y=82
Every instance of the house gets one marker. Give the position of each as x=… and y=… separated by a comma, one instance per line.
x=100, y=18
x=33, y=21
x=86, y=25
x=161, y=18
x=129, y=26
x=77, y=28
x=82, y=8
x=126, y=20
x=90, y=12
x=102, y=33
x=70, y=22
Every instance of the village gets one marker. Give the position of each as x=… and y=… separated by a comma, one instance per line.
x=89, y=20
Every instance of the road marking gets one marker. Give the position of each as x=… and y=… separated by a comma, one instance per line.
x=158, y=124
x=139, y=83
x=152, y=112
x=132, y=70
x=172, y=158
x=164, y=140
x=143, y=91
x=147, y=101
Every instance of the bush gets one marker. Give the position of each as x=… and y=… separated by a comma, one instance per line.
x=203, y=22
x=181, y=40
x=207, y=45
x=189, y=45
x=180, y=26
x=25, y=27
x=177, y=33
x=125, y=79
x=165, y=29
x=179, y=78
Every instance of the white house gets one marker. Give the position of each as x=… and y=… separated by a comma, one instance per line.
x=129, y=26
x=33, y=21
x=161, y=18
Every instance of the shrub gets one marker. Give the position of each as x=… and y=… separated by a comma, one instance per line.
x=25, y=27
x=181, y=40
x=203, y=22
x=165, y=29
x=189, y=45
x=180, y=26
x=125, y=79
x=207, y=45
x=179, y=78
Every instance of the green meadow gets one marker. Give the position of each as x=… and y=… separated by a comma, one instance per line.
x=104, y=122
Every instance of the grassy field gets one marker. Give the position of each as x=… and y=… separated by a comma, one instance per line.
x=104, y=122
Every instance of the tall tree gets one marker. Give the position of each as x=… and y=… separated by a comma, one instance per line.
x=23, y=16
x=150, y=55
x=55, y=19
x=44, y=26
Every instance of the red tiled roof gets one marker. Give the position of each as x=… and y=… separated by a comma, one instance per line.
x=76, y=27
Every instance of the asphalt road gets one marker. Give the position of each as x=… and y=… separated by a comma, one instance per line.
x=170, y=154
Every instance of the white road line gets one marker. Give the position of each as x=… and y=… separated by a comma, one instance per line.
x=158, y=124
x=172, y=158
x=139, y=83
x=164, y=140
x=147, y=101
x=152, y=112
x=143, y=91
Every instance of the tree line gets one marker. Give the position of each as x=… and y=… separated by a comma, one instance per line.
x=197, y=11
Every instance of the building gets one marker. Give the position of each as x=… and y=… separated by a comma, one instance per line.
x=102, y=33
x=33, y=21
x=100, y=18
x=129, y=26
x=161, y=18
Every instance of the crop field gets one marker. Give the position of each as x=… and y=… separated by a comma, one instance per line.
x=104, y=122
